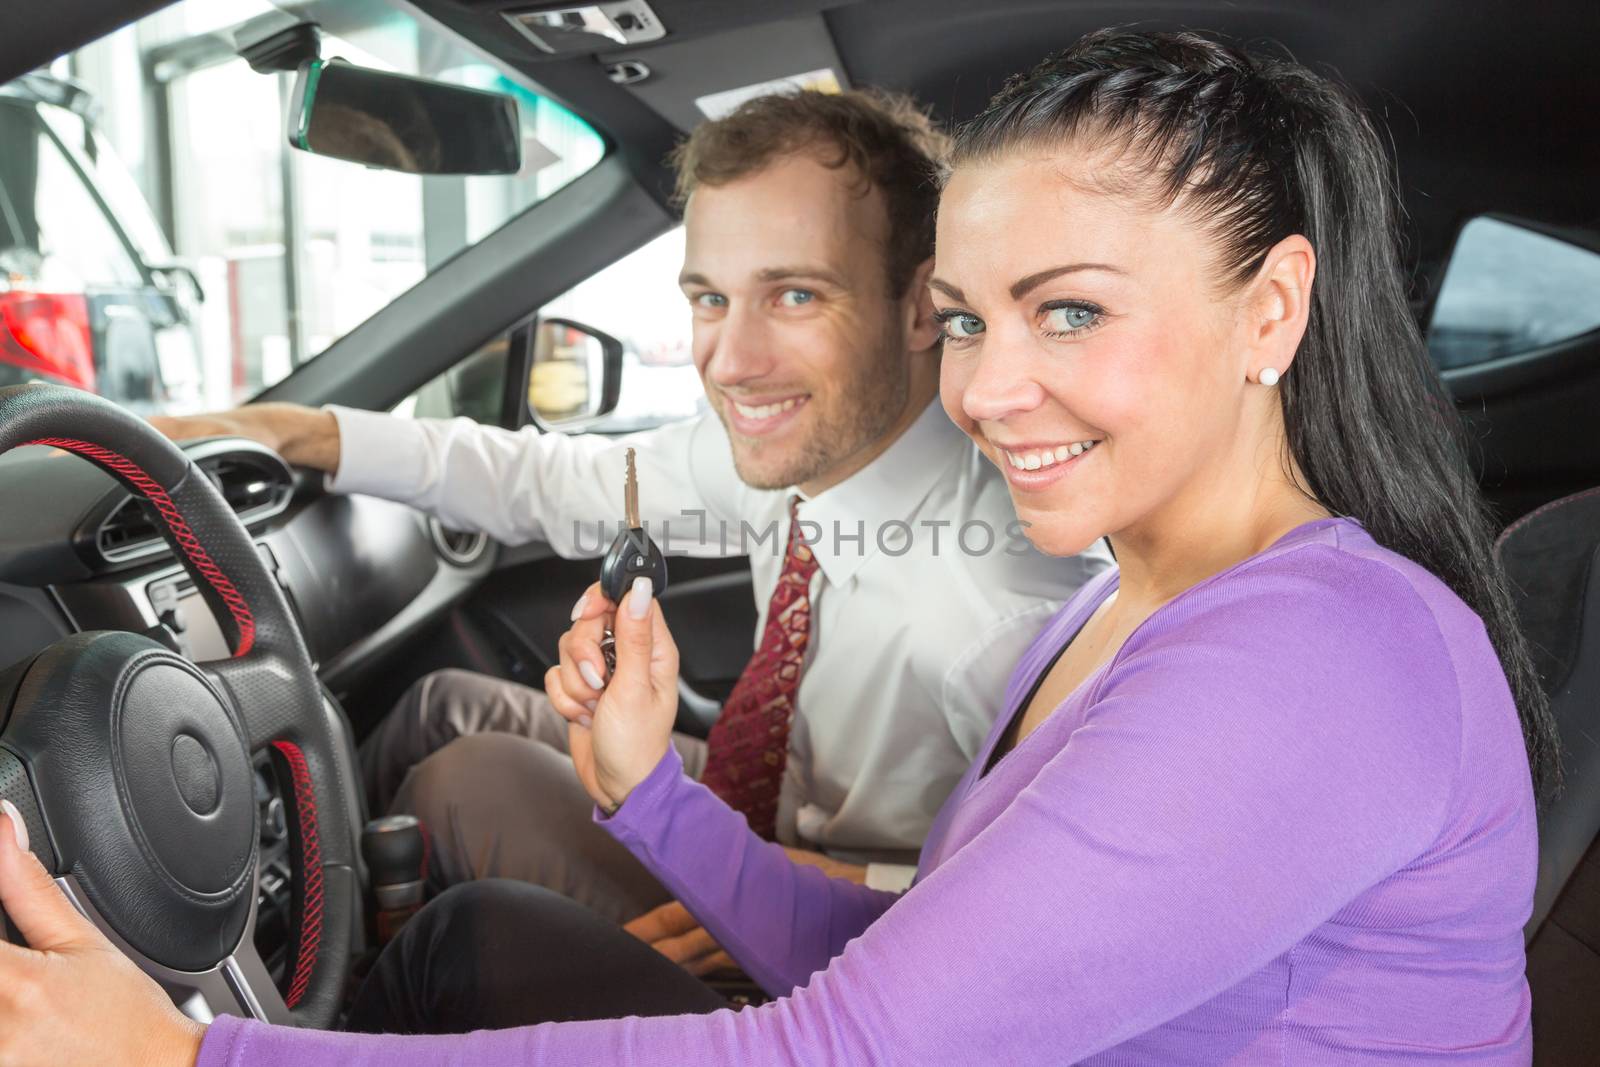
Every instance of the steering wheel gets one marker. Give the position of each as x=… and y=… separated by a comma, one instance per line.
x=132, y=766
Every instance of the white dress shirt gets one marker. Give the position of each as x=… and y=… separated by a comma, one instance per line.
x=915, y=624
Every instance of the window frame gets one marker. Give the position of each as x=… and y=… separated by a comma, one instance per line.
x=1585, y=240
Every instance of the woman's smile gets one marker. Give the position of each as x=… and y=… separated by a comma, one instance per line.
x=1033, y=467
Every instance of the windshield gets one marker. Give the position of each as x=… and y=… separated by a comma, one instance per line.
x=161, y=243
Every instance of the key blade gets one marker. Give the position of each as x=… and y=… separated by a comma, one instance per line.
x=630, y=495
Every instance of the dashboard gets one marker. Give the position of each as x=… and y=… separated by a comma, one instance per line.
x=79, y=552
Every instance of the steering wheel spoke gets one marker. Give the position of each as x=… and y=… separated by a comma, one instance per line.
x=263, y=692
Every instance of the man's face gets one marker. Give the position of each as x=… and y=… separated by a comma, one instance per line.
x=796, y=337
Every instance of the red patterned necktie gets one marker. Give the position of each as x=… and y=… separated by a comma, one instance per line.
x=749, y=744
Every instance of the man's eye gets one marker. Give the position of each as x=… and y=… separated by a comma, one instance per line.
x=959, y=325
x=793, y=298
x=709, y=300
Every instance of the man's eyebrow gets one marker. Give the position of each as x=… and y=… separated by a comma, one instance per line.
x=1024, y=286
x=774, y=274
x=780, y=274
x=948, y=290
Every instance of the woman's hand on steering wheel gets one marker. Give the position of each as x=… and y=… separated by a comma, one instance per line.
x=68, y=996
x=619, y=727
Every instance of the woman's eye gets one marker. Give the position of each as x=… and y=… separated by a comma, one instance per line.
x=709, y=300
x=959, y=326
x=1070, y=318
x=793, y=298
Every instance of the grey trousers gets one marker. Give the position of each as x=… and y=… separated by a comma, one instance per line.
x=484, y=764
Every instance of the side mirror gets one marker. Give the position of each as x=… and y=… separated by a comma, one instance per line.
x=575, y=375
x=396, y=122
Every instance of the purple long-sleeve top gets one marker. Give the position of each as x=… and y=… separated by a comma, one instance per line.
x=1290, y=822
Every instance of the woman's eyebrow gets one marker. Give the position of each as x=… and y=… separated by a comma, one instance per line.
x=1022, y=287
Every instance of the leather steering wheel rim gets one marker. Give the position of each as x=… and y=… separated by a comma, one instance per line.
x=268, y=688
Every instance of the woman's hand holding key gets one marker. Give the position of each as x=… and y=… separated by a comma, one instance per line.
x=619, y=728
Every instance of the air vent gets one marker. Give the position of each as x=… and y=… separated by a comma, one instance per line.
x=256, y=486
x=246, y=486
x=129, y=527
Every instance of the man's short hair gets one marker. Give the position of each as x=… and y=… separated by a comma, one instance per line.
x=886, y=137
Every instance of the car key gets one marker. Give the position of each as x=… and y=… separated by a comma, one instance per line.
x=632, y=555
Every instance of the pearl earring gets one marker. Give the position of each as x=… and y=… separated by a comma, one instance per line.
x=1268, y=376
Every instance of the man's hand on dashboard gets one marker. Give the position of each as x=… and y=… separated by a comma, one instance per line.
x=304, y=437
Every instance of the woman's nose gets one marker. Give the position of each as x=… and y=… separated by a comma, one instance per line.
x=999, y=386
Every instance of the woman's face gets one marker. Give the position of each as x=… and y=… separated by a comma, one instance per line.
x=1091, y=351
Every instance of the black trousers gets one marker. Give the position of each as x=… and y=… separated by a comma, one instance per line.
x=495, y=954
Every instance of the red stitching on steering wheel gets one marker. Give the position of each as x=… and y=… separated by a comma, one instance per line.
x=311, y=865
x=243, y=618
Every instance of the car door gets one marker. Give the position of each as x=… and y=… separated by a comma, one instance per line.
x=1515, y=329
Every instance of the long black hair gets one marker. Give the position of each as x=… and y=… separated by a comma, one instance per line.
x=1258, y=149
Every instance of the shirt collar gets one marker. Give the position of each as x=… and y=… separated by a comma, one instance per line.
x=889, y=489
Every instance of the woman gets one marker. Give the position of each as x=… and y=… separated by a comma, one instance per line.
x=1262, y=795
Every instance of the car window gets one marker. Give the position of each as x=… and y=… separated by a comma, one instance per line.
x=474, y=388
x=1509, y=289
x=637, y=301
x=289, y=251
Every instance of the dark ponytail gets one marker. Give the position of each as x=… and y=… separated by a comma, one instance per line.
x=1259, y=149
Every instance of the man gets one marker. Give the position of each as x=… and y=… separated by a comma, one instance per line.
x=894, y=586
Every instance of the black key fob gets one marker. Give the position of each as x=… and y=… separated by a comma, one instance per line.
x=632, y=555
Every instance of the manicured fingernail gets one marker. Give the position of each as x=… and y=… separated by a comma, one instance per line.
x=585, y=721
x=577, y=609
x=639, y=599
x=590, y=675
x=591, y=704
x=18, y=827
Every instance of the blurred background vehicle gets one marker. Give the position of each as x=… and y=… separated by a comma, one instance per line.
x=90, y=293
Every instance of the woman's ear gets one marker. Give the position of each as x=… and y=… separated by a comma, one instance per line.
x=921, y=329
x=1280, y=305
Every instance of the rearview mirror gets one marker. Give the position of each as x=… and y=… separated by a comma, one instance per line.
x=575, y=375
x=396, y=122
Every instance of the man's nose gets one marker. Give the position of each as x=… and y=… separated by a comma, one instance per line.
x=741, y=350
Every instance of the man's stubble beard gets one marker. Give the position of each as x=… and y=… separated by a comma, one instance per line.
x=867, y=408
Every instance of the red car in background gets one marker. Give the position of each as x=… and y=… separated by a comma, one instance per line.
x=89, y=293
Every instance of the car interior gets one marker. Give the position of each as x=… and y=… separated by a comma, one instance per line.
x=1492, y=112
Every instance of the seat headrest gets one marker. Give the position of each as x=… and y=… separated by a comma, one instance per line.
x=1547, y=555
